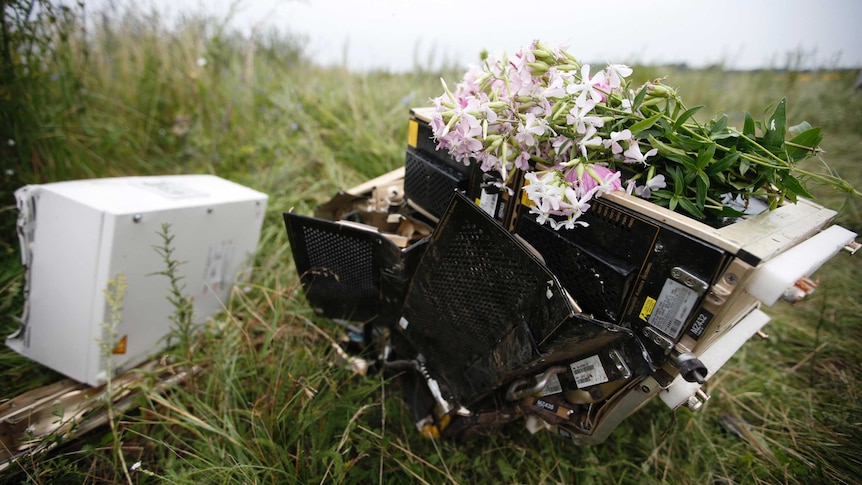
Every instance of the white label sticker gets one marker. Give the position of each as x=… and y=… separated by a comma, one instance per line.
x=671, y=310
x=488, y=202
x=216, y=277
x=589, y=372
x=403, y=323
x=552, y=387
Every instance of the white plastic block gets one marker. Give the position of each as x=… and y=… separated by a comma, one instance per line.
x=771, y=279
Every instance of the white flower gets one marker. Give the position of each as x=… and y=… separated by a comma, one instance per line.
x=580, y=119
x=633, y=153
x=616, y=137
x=556, y=88
x=589, y=139
x=531, y=127
x=615, y=74
x=587, y=87
x=655, y=183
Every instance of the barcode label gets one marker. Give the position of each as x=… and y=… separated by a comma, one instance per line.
x=588, y=372
x=671, y=310
x=488, y=202
x=552, y=387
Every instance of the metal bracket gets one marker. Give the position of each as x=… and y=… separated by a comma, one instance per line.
x=688, y=279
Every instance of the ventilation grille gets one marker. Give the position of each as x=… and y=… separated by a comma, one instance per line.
x=597, y=281
x=339, y=264
x=430, y=184
x=336, y=265
x=473, y=287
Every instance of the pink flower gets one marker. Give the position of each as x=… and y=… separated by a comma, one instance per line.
x=599, y=179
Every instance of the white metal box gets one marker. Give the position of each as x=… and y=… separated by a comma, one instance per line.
x=77, y=236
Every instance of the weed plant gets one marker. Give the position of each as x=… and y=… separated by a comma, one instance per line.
x=124, y=94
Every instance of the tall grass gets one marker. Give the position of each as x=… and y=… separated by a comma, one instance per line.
x=271, y=401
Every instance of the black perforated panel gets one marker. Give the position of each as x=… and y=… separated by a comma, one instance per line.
x=430, y=184
x=339, y=263
x=596, y=280
x=474, y=286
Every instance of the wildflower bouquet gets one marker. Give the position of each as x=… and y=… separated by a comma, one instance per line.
x=579, y=133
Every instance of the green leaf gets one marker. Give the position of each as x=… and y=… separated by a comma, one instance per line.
x=718, y=128
x=702, y=187
x=809, y=138
x=719, y=166
x=800, y=128
x=685, y=116
x=689, y=207
x=727, y=212
x=744, y=165
x=639, y=99
x=776, y=125
x=678, y=181
x=663, y=148
x=704, y=156
x=644, y=124
x=685, y=160
x=686, y=143
x=748, y=129
x=792, y=183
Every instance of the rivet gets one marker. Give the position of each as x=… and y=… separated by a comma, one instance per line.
x=137, y=218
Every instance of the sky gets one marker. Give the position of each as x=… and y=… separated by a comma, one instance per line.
x=398, y=35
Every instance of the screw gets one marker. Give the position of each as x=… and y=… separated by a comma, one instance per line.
x=731, y=278
x=659, y=247
x=694, y=403
x=137, y=218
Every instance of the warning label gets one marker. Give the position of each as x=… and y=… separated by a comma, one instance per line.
x=646, y=310
x=671, y=310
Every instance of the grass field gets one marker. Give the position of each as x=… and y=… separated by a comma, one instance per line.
x=130, y=96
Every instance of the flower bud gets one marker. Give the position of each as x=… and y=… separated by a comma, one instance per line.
x=570, y=57
x=542, y=54
x=540, y=45
x=660, y=91
x=538, y=67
